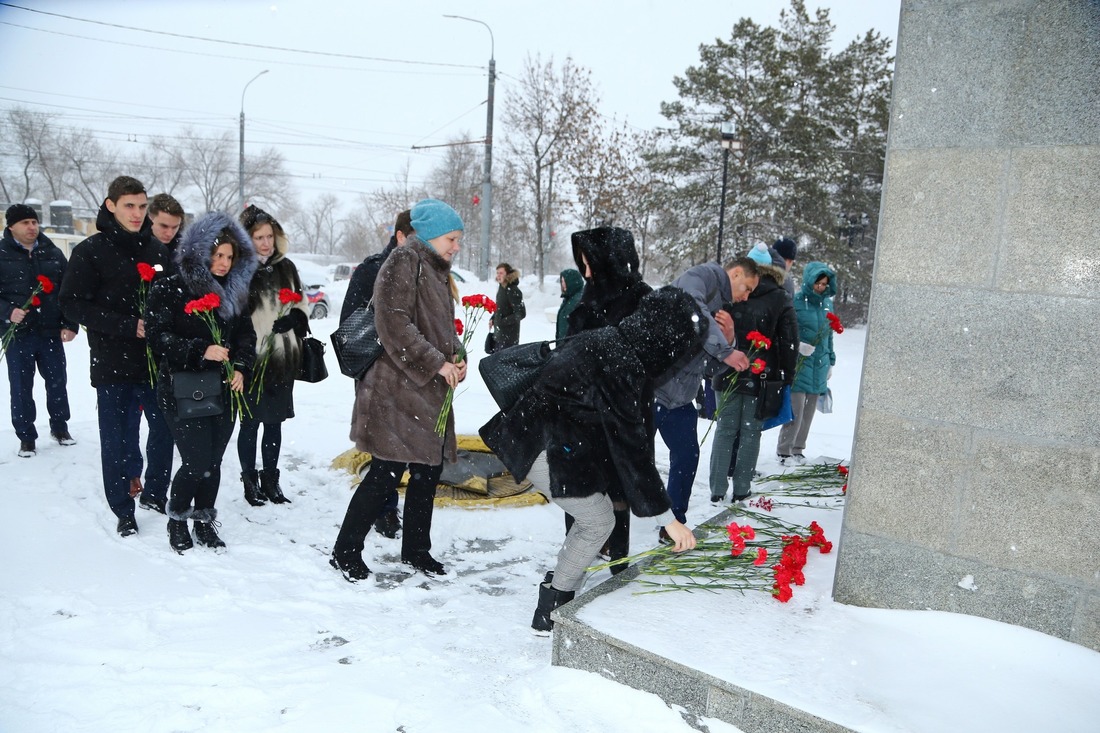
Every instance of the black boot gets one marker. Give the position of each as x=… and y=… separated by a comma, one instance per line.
x=351, y=566
x=178, y=535
x=388, y=524
x=549, y=599
x=619, y=542
x=424, y=562
x=252, y=493
x=206, y=528
x=269, y=484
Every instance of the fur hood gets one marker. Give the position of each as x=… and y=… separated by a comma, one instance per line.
x=193, y=260
x=779, y=274
x=510, y=278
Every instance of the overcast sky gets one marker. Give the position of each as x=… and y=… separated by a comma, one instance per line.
x=400, y=75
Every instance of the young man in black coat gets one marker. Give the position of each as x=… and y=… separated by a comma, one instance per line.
x=588, y=412
x=769, y=311
x=360, y=292
x=102, y=290
x=39, y=331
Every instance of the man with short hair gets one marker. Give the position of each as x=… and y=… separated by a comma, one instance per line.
x=166, y=216
x=26, y=256
x=712, y=286
x=360, y=292
x=101, y=290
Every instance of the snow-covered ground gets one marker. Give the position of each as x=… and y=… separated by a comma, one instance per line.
x=100, y=633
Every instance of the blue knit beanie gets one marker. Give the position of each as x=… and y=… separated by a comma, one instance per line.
x=760, y=254
x=432, y=218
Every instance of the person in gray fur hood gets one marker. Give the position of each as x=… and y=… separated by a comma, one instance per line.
x=215, y=256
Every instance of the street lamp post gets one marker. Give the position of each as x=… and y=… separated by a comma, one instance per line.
x=240, y=170
x=729, y=142
x=487, y=172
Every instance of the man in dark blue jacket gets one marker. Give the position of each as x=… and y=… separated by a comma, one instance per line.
x=102, y=290
x=30, y=264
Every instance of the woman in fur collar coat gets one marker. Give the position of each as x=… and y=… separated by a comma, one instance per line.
x=271, y=398
x=215, y=256
x=510, y=309
x=399, y=399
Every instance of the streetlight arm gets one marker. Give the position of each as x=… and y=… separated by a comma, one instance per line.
x=492, y=41
x=248, y=84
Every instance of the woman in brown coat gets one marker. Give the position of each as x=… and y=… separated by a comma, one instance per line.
x=398, y=400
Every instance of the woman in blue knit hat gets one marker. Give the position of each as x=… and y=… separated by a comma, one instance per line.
x=399, y=398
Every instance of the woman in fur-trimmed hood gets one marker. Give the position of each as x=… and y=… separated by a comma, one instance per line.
x=270, y=395
x=510, y=309
x=214, y=256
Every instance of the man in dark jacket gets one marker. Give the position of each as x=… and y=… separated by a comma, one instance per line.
x=360, y=293
x=587, y=411
x=31, y=264
x=768, y=311
x=103, y=290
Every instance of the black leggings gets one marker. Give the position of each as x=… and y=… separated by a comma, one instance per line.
x=269, y=449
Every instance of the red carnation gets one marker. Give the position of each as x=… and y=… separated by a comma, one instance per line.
x=834, y=322
x=45, y=283
x=458, y=327
x=761, y=556
x=759, y=340
x=758, y=366
x=288, y=296
x=146, y=271
x=35, y=301
x=842, y=470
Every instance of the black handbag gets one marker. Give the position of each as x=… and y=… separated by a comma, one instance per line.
x=510, y=372
x=313, y=367
x=770, y=399
x=356, y=342
x=490, y=342
x=198, y=394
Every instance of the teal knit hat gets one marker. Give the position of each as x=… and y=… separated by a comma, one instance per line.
x=759, y=254
x=432, y=218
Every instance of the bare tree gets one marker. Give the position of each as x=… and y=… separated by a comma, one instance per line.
x=211, y=166
x=316, y=227
x=549, y=115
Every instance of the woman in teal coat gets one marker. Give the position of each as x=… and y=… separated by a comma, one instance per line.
x=815, y=361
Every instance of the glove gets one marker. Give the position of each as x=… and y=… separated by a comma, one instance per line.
x=282, y=325
x=806, y=349
x=829, y=374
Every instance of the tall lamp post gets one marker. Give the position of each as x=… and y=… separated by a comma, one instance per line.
x=729, y=142
x=487, y=172
x=240, y=170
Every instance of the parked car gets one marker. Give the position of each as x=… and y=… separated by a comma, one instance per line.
x=344, y=270
x=319, y=306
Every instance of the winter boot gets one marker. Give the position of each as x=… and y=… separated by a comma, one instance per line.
x=206, y=528
x=269, y=484
x=424, y=562
x=178, y=535
x=388, y=524
x=618, y=544
x=351, y=566
x=549, y=599
x=252, y=493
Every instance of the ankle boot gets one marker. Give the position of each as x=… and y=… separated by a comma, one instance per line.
x=178, y=535
x=618, y=544
x=269, y=484
x=549, y=599
x=206, y=534
x=351, y=566
x=252, y=493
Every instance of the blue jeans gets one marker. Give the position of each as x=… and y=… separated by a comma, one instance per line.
x=120, y=407
x=45, y=351
x=737, y=425
x=677, y=427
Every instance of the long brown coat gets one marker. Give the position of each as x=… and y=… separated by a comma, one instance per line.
x=398, y=400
